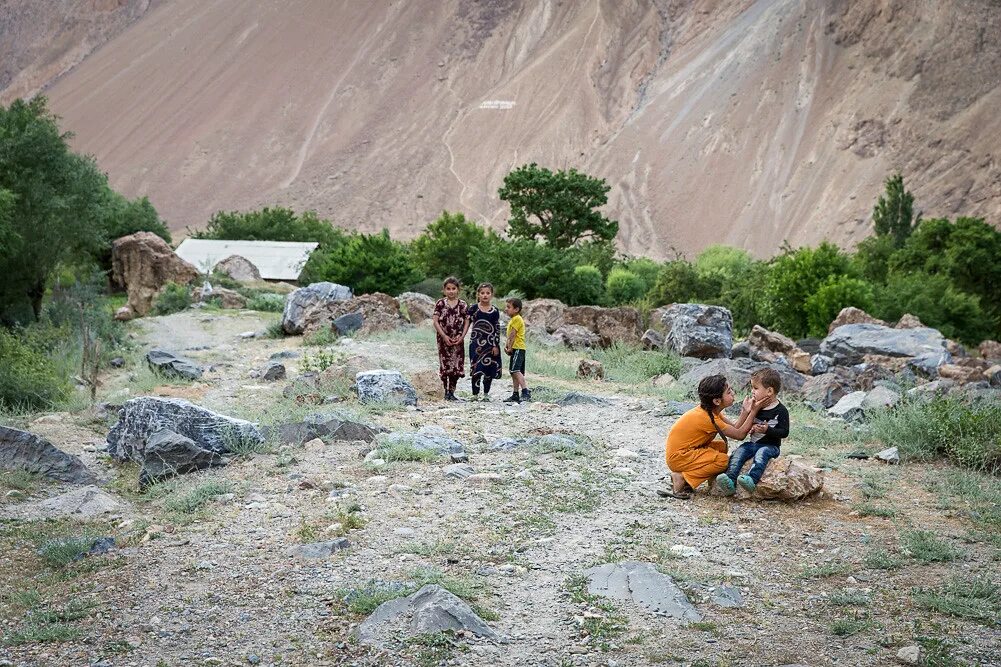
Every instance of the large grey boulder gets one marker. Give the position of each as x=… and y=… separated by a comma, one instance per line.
x=417, y=308
x=301, y=302
x=384, y=386
x=697, y=330
x=828, y=388
x=849, y=407
x=167, y=454
x=169, y=364
x=142, y=417
x=848, y=344
x=20, y=450
x=880, y=398
x=431, y=609
x=738, y=372
x=643, y=584
x=577, y=337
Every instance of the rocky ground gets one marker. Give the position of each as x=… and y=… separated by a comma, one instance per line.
x=202, y=573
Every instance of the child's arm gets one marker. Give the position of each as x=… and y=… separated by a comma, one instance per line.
x=780, y=430
x=509, y=345
x=465, y=327
x=740, y=431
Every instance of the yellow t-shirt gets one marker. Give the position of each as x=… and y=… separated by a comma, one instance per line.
x=517, y=325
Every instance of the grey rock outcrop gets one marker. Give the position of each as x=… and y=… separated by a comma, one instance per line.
x=577, y=337
x=697, y=330
x=167, y=454
x=739, y=371
x=849, y=407
x=384, y=386
x=428, y=438
x=643, y=584
x=169, y=364
x=142, y=417
x=302, y=301
x=429, y=610
x=21, y=450
x=828, y=388
x=849, y=344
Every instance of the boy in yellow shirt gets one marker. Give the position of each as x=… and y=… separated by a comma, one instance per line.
x=515, y=347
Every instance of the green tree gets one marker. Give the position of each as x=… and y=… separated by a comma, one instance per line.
x=444, y=248
x=837, y=293
x=677, y=282
x=534, y=269
x=559, y=208
x=122, y=217
x=795, y=276
x=646, y=269
x=893, y=215
x=366, y=263
x=936, y=301
x=270, y=224
x=872, y=258
x=586, y=287
x=624, y=286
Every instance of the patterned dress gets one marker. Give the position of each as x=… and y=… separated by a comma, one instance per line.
x=452, y=319
x=484, y=337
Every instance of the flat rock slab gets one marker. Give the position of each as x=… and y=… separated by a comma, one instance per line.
x=727, y=596
x=458, y=470
x=169, y=364
x=319, y=549
x=428, y=438
x=86, y=503
x=326, y=426
x=431, y=609
x=850, y=343
x=643, y=584
x=575, y=398
x=21, y=450
x=384, y=386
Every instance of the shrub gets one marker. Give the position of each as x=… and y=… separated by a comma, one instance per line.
x=936, y=302
x=794, y=277
x=270, y=224
x=268, y=302
x=172, y=298
x=530, y=268
x=677, y=282
x=586, y=287
x=624, y=286
x=364, y=262
x=29, y=378
x=646, y=269
x=446, y=245
x=840, y=291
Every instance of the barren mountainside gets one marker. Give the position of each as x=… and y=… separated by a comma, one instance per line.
x=748, y=122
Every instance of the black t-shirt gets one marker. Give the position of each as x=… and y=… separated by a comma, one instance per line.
x=777, y=419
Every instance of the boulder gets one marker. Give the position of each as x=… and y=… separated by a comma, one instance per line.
x=227, y=299
x=458, y=471
x=273, y=371
x=428, y=438
x=169, y=364
x=657, y=317
x=961, y=374
x=368, y=313
x=124, y=314
x=800, y=361
x=142, y=263
x=890, y=455
x=908, y=321
x=828, y=388
x=644, y=585
x=319, y=550
x=932, y=389
x=809, y=345
x=994, y=376
x=417, y=308
x=784, y=479
x=739, y=371
x=820, y=364
x=849, y=408
x=546, y=444
x=853, y=315
x=543, y=314
x=300, y=303
x=142, y=417
x=763, y=339
x=577, y=337
x=663, y=380
x=652, y=340
x=990, y=349
x=384, y=386
x=696, y=330
x=432, y=609
x=167, y=454
x=612, y=325
x=86, y=502
x=324, y=426
x=20, y=450
x=590, y=369
x=741, y=350
x=879, y=397
x=849, y=344
x=238, y=268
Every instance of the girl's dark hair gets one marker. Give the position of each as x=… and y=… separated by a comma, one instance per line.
x=451, y=280
x=711, y=388
x=488, y=286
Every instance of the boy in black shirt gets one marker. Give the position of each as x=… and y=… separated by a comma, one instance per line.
x=771, y=425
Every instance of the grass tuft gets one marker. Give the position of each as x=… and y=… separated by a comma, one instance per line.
x=973, y=598
x=925, y=546
x=194, y=499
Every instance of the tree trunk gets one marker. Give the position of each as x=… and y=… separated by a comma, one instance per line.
x=35, y=294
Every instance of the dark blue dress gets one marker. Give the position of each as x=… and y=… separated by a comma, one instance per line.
x=484, y=337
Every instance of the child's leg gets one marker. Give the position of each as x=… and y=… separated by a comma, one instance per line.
x=518, y=379
x=739, y=457
x=764, y=454
x=487, y=381
x=475, y=380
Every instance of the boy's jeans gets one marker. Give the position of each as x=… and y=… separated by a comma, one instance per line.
x=761, y=454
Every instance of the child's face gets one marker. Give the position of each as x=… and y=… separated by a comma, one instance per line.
x=510, y=310
x=485, y=295
x=760, y=392
x=451, y=291
x=728, y=397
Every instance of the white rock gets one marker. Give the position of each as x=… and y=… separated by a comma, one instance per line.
x=686, y=551
x=624, y=453
x=909, y=655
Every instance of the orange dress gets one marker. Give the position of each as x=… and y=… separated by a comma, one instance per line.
x=692, y=447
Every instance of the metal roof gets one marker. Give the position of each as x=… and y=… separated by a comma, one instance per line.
x=276, y=260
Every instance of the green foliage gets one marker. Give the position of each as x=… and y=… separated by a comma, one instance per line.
x=677, y=282
x=587, y=286
x=722, y=264
x=270, y=224
x=366, y=263
x=531, y=268
x=645, y=269
x=123, y=217
x=29, y=378
x=872, y=258
x=936, y=302
x=195, y=498
x=927, y=547
x=893, y=215
x=559, y=208
x=974, y=598
x=624, y=286
x=446, y=246
x=173, y=298
x=794, y=277
x=267, y=302
x=825, y=304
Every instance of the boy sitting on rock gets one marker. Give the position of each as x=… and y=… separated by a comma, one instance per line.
x=771, y=425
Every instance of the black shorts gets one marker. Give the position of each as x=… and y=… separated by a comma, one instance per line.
x=518, y=361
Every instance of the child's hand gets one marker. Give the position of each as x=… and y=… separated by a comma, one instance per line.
x=496, y=350
x=747, y=403
x=762, y=403
x=759, y=428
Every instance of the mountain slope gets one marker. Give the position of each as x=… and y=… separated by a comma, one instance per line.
x=750, y=122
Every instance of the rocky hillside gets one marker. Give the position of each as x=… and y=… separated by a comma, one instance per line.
x=738, y=121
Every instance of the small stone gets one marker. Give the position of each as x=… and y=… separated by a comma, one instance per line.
x=484, y=478
x=686, y=551
x=909, y=655
x=315, y=445
x=623, y=471
x=403, y=531
x=248, y=334
x=890, y=455
x=459, y=457
x=524, y=474
x=624, y=453
x=253, y=659
x=458, y=471
x=273, y=372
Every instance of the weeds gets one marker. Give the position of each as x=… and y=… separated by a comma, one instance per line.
x=19, y=480
x=603, y=619
x=868, y=509
x=61, y=552
x=318, y=362
x=925, y=546
x=823, y=571
x=274, y=331
x=846, y=627
x=848, y=599
x=434, y=648
x=320, y=338
x=882, y=560
x=45, y=623
x=401, y=451
x=196, y=498
x=973, y=598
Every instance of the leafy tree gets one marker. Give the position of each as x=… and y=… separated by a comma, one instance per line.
x=586, y=287
x=645, y=269
x=624, y=286
x=893, y=215
x=29, y=377
x=677, y=282
x=122, y=217
x=872, y=258
x=533, y=269
x=270, y=224
x=794, y=277
x=445, y=247
x=837, y=293
x=559, y=208
x=366, y=263
x=936, y=301
x=599, y=254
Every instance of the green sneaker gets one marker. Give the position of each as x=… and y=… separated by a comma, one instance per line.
x=725, y=484
x=746, y=483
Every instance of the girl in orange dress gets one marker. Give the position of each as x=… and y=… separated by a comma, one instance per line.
x=694, y=454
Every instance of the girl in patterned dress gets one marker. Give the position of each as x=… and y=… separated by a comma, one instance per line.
x=484, y=341
x=451, y=321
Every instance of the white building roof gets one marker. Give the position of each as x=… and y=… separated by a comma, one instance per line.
x=276, y=260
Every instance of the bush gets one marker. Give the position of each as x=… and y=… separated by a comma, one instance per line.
x=446, y=245
x=270, y=224
x=794, y=277
x=530, y=268
x=624, y=286
x=172, y=298
x=645, y=269
x=677, y=282
x=29, y=378
x=587, y=287
x=936, y=302
x=267, y=302
x=366, y=263
x=837, y=293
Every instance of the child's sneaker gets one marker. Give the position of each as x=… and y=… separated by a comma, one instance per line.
x=746, y=483
x=526, y=394
x=725, y=484
x=513, y=398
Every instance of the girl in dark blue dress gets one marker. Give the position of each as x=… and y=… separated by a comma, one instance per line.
x=484, y=341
